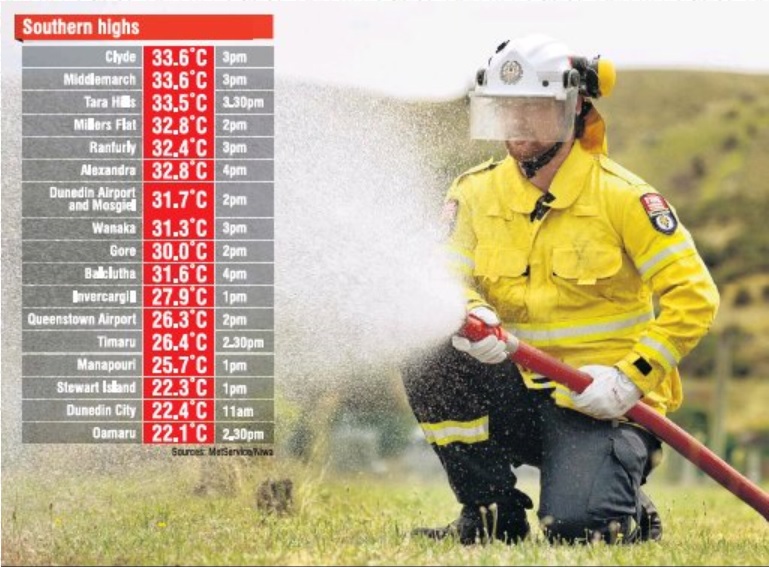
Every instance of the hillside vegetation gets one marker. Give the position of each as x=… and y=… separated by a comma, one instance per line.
x=703, y=140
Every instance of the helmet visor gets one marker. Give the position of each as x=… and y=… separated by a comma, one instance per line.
x=541, y=119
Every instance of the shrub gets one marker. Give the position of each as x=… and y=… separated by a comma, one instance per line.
x=742, y=298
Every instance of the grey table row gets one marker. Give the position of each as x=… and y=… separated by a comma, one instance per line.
x=176, y=274
x=122, y=296
x=158, y=104
x=233, y=124
x=91, y=319
x=106, y=432
x=113, y=147
x=126, y=198
x=131, y=169
x=141, y=341
x=231, y=252
x=140, y=388
x=125, y=365
x=99, y=56
x=117, y=228
x=132, y=410
x=230, y=80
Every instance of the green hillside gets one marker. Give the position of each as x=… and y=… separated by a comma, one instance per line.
x=703, y=140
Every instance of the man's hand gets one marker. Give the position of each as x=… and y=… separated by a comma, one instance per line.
x=489, y=350
x=609, y=396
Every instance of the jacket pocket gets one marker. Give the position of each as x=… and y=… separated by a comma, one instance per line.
x=587, y=266
x=502, y=274
x=493, y=263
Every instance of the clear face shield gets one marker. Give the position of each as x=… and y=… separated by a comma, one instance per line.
x=540, y=119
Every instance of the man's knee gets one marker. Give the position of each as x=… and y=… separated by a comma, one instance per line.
x=598, y=498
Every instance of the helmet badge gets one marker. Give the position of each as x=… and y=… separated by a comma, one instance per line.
x=511, y=72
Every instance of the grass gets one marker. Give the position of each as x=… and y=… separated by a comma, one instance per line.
x=150, y=516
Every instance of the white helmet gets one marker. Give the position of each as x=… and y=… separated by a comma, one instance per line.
x=528, y=90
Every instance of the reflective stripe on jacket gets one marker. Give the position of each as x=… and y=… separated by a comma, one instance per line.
x=578, y=282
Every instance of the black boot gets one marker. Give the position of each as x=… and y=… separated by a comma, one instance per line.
x=505, y=521
x=649, y=526
x=651, y=522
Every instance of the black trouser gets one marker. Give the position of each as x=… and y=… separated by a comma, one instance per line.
x=591, y=470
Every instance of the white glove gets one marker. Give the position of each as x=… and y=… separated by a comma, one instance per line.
x=609, y=396
x=489, y=350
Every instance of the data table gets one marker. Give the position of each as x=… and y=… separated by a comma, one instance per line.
x=147, y=229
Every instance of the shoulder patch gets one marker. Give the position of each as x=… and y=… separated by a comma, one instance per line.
x=613, y=167
x=659, y=213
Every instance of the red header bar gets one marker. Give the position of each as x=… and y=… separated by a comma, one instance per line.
x=140, y=27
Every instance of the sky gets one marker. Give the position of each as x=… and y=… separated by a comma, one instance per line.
x=431, y=50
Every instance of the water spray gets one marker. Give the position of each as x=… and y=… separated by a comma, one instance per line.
x=361, y=281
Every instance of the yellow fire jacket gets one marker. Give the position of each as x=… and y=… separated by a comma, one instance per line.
x=578, y=279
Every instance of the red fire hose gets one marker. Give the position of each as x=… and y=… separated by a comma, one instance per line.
x=705, y=459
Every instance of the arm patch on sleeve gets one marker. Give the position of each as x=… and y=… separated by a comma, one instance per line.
x=659, y=213
x=643, y=366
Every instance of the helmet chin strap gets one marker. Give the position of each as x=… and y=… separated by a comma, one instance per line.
x=531, y=166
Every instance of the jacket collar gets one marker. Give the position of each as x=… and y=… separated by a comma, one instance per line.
x=519, y=195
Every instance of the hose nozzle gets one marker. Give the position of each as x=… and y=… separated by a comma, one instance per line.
x=476, y=330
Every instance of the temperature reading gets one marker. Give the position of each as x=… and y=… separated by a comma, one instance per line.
x=180, y=102
x=180, y=198
x=173, y=125
x=181, y=147
x=178, y=433
x=183, y=57
x=189, y=170
x=182, y=80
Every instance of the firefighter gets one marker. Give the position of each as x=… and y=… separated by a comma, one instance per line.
x=566, y=250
